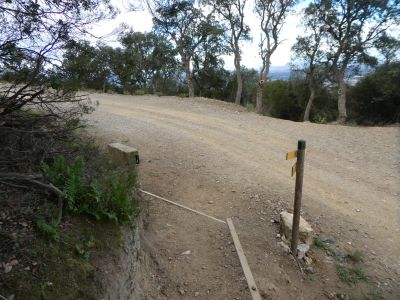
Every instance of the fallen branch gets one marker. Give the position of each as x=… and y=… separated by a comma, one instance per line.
x=31, y=179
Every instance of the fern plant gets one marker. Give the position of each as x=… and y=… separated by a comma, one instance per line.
x=113, y=201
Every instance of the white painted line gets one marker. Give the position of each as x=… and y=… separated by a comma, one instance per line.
x=243, y=261
x=181, y=206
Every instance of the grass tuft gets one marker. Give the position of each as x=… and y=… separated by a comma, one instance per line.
x=320, y=244
x=351, y=275
x=355, y=256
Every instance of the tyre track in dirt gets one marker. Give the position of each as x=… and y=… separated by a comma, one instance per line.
x=201, y=150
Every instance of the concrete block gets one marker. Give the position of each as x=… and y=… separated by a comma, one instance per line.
x=305, y=229
x=123, y=154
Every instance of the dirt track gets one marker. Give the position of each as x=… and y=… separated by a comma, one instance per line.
x=226, y=162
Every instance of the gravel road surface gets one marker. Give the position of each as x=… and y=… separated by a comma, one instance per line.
x=224, y=161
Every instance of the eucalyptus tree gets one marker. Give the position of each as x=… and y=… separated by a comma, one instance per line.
x=272, y=14
x=389, y=47
x=351, y=27
x=187, y=27
x=308, y=57
x=232, y=12
x=150, y=55
x=209, y=75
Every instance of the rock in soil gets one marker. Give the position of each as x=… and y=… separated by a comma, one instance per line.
x=305, y=229
x=302, y=250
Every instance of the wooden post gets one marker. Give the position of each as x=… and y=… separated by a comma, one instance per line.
x=301, y=149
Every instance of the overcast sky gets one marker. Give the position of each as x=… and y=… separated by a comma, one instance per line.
x=141, y=20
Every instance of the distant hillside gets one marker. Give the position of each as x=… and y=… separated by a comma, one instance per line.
x=279, y=72
x=283, y=73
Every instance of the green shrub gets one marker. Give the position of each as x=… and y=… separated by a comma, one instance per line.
x=281, y=102
x=140, y=92
x=249, y=107
x=352, y=275
x=320, y=244
x=355, y=256
x=116, y=201
x=113, y=201
x=375, y=99
x=48, y=230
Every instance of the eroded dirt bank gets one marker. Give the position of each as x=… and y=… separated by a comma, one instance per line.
x=226, y=162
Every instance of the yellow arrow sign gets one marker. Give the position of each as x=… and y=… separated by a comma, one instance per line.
x=291, y=155
x=294, y=169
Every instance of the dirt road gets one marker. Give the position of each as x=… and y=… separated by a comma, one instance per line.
x=226, y=162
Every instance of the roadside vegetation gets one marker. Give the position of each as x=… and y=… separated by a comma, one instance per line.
x=349, y=268
x=62, y=201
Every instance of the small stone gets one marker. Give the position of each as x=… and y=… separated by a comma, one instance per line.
x=342, y=296
x=330, y=295
x=358, y=210
x=210, y=202
x=307, y=260
x=187, y=252
x=309, y=270
x=182, y=292
x=7, y=268
x=271, y=287
x=302, y=250
x=196, y=294
x=328, y=260
x=14, y=262
x=278, y=235
x=27, y=268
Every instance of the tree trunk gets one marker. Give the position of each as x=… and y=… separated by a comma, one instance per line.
x=260, y=87
x=342, y=117
x=186, y=64
x=238, y=79
x=259, y=102
x=104, y=85
x=309, y=104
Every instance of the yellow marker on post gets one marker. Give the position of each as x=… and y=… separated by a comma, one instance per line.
x=294, y=169
x=291, y=155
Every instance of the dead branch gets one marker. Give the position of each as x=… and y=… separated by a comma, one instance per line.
x=31, y=179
